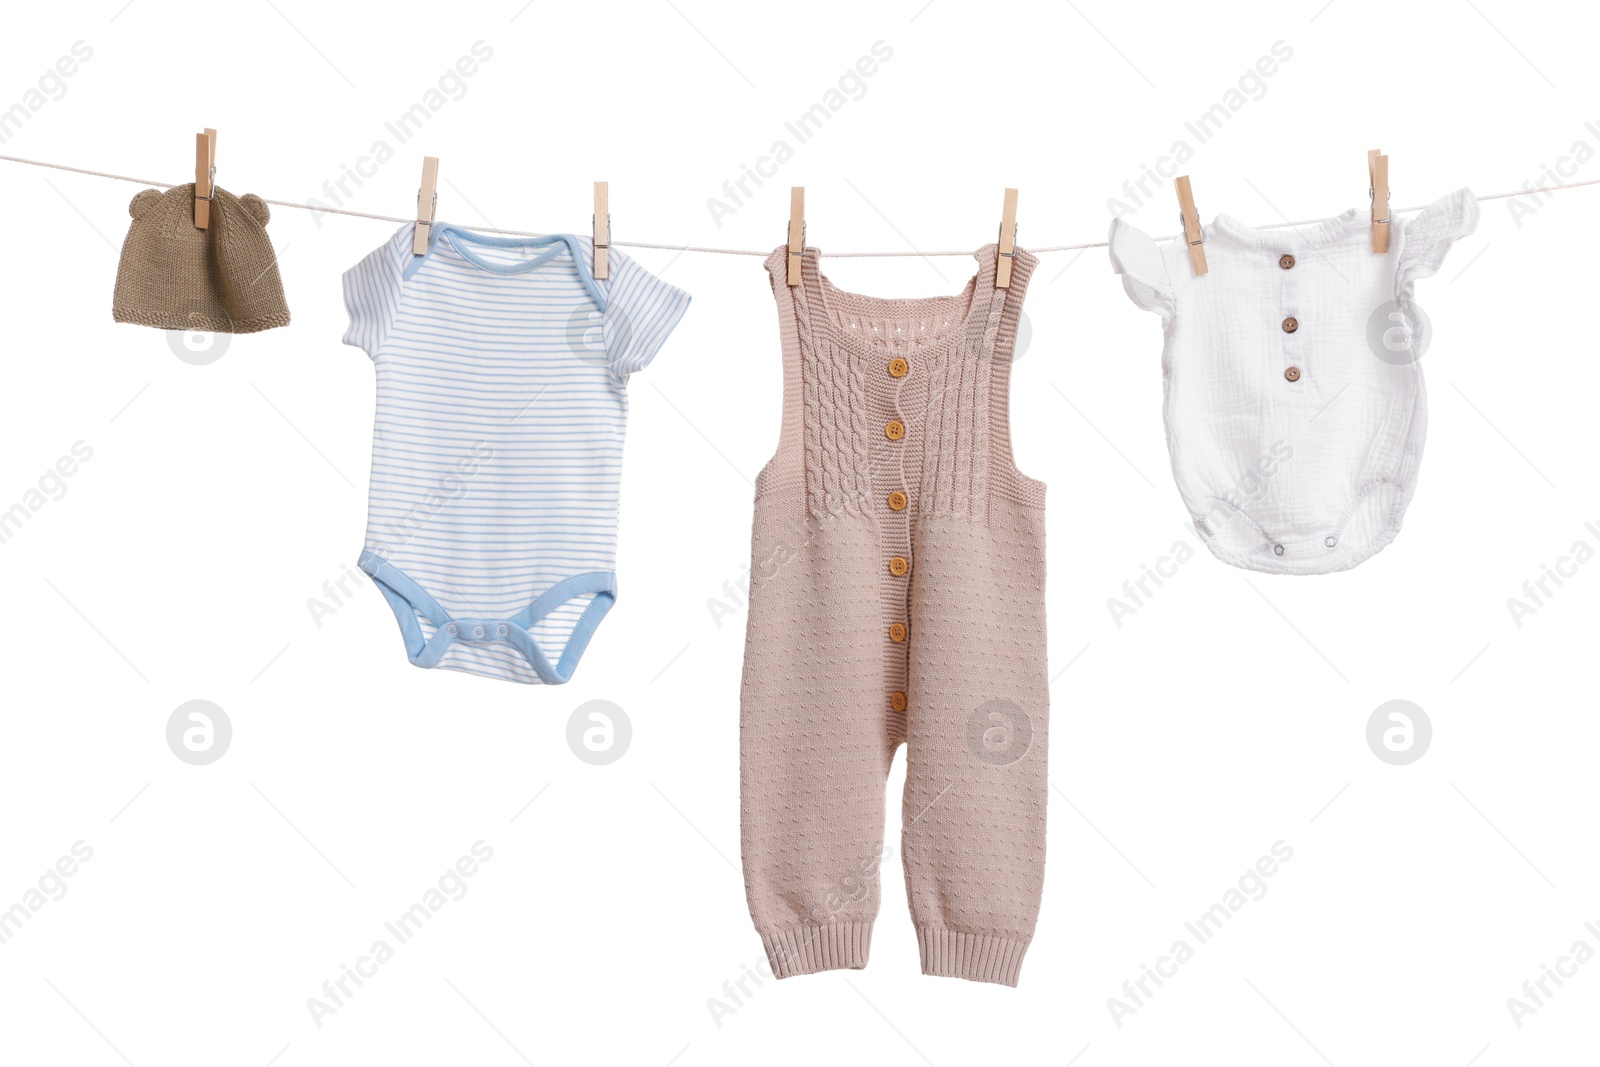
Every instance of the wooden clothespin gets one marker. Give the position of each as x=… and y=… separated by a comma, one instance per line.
x=797, y=231
x=427, y=204
x=1193, y=235
x=205, y=176
x=1378, y=189
x=1008, y=241
x=602, y=231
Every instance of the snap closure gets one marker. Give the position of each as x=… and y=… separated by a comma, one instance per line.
x=1291, y=324
x=504, y=630
x=477, y=631
x=1293, y=374
x=899, y=368
x=1330, y=541
x=455, y=631
x=898, y=501
x=897, y=701
x=895, y=430
x=897, y=632
x=898, y=566
x=1277, y=550
x=1286, y=261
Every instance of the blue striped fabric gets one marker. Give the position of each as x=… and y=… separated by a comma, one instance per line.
x=502, y=368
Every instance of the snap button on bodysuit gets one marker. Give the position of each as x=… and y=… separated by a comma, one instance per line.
x=1330, y=541
x=1277, y=550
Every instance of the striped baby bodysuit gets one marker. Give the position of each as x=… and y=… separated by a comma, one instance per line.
x=502, y=367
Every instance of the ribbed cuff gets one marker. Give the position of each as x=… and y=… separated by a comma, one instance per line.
x=977, y=957
x=808, y=949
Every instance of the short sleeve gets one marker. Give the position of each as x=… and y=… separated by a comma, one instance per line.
x=372, y=292
x=1426, y=239
x=1135, y=256
x=641, y=311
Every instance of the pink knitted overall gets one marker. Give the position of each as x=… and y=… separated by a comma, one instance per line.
x=897, y=594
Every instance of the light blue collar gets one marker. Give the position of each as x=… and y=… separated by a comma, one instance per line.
x=462, y=240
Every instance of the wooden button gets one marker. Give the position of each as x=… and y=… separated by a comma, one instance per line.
x=1286, y=261
x=1293, y=374
x=895, y=430
x=897, y=701
x=898, y=566
x=1291, y=324
x=897, y=501
x=897, y=632
x=899, y=368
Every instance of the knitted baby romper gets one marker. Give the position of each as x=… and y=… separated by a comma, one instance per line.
x=897, y=594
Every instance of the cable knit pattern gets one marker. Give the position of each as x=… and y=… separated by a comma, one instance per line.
x=897, y=595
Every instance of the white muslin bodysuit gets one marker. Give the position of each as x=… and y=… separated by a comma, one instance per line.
x=1295, y=409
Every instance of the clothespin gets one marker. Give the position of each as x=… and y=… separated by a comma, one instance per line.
x=205, y=176
x=602, y=231
x=427, y=204
x=1193, y=235
x=1378, y=189
x=797, y=231
x=1008, y=241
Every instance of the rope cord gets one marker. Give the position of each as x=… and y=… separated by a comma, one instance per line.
x=733, y=251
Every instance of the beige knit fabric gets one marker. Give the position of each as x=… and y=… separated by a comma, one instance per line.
x=825, y=679
x=173, y=276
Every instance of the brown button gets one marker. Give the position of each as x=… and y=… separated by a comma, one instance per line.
x=899, y=368
x=895, y=430
x=1291, y=324
x=897, y=501
x=897, y=632
x=897, y=701
x=1286, y=261
x=898, y=566
x=1293, y=374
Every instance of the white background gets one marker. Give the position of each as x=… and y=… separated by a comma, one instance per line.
x=1228, y=714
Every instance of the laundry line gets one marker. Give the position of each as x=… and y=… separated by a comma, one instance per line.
x=761, y=253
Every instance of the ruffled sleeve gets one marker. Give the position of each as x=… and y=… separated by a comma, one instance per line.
x=1426, y=239
x=1136, y=257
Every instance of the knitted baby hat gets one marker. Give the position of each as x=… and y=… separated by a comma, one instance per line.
x=174, y=276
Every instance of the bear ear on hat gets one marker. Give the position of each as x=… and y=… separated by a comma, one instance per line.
x=142, y=202
x=257, y=207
